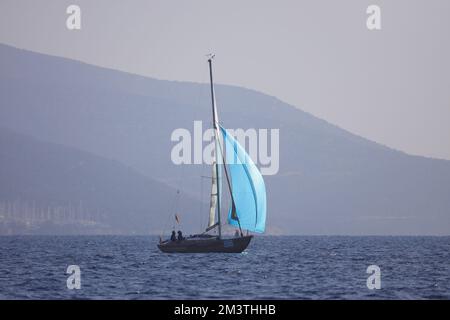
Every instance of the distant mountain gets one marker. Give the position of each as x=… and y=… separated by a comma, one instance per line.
x=330, y=181
x=50, y=188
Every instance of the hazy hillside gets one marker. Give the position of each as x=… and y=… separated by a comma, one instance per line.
x=329, y=182
x=53, y=188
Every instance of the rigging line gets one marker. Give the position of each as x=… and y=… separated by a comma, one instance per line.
x=170, y=213
x=176, y=208
x=229, y=185
x=176, y=200
x=201, y=199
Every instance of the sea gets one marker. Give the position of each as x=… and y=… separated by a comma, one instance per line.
x=272, y=267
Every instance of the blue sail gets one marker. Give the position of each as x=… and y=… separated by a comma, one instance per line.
x=248, y=189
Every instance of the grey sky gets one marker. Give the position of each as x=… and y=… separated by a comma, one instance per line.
x=391, y=86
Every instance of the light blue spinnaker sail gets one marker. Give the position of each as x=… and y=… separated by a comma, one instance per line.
x=248, y=189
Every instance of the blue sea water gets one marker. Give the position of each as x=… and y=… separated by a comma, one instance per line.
x=272, y=267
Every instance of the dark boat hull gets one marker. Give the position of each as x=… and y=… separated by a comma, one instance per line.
x=232, y=245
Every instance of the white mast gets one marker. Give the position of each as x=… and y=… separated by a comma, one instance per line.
x=216, y=137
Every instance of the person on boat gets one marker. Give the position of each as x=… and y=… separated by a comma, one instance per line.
x=180, y=235
x=173, y=237
x=236, y=234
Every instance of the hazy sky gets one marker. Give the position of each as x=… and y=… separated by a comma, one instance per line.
x=391, y=86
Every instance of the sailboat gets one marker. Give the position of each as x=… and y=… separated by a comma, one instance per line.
x=246, y=189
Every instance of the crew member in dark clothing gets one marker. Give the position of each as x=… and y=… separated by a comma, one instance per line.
x=180, y=235
x=173, y=237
